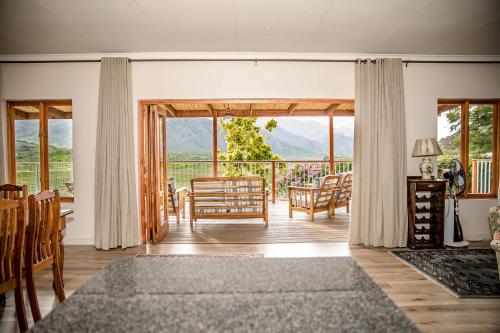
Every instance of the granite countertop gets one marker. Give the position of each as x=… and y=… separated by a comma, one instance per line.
x=213, y=294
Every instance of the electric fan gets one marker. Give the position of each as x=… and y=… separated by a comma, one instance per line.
x=456, y=185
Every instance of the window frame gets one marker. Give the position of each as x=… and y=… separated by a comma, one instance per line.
x=43, y=106
x=464, y=141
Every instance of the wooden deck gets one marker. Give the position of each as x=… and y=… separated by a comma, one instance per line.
x=281, y=229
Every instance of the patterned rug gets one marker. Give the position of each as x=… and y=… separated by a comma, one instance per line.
x=468, y=273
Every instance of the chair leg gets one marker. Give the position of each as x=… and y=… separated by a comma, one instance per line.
x=178, y=216
x=58, y=283
x=348, y=208
x=30, y=286
x=3, y=301
x=20, y=309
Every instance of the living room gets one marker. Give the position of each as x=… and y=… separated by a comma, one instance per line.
x=244, y=52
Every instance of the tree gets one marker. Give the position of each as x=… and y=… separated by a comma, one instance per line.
x=480, y=134
x=245, y=142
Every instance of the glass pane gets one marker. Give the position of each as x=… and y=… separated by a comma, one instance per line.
x=480, y=148
x=343, y=140
x=60, y=139
x=189, y=147
x=163, y=180
x=449, y=131
x=27, y=141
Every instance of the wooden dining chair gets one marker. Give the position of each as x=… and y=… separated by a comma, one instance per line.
x=13, y=214
x=42, y=247
x=13, y=192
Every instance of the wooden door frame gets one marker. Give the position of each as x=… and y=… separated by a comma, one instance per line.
x=150, y=180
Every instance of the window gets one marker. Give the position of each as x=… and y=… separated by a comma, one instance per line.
x=468, y=131
x=40, y=138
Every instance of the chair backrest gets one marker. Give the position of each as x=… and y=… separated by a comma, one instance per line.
x=43, y=227
x=345, y=189
x=228, y=195
x=13, y=213
x=13, y=192
x=172, y=197
x=327, y=190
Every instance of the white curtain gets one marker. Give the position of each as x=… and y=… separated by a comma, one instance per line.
x=116, y=220
x=379, y=211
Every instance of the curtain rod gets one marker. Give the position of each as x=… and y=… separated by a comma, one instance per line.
x=406, y=62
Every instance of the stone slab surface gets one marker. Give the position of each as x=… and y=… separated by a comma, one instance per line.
x=216, y=294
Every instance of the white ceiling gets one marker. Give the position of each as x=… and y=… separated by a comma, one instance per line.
x=432, y=27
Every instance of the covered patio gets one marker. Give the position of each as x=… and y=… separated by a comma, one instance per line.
x=156, y=167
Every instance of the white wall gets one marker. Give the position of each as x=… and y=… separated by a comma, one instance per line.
x=424, y=84
x=79, y=82
x=155, y=80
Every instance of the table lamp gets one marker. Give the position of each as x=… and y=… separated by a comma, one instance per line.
x=426, y=148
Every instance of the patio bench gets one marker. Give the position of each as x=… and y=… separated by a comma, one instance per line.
x=228, y=198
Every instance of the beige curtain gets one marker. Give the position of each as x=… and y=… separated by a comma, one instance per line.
x=379, y=216
x=116, y=221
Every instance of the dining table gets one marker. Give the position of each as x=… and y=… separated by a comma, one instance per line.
x=62, y=227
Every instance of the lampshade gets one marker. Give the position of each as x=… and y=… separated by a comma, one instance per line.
x=426, y=147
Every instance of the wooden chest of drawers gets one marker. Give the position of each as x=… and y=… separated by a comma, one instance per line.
x=425, y=213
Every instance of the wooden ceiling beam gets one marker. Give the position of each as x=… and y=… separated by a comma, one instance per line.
x=292, y=108
x=58, y=114
x=248, y=101
x=262, y=113
x=170, y=109
x=329, y=110
x=211, y=110
x=445, y=107
x=22, y=115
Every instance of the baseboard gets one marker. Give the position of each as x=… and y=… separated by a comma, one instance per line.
x=78, y=241
x=477, y=237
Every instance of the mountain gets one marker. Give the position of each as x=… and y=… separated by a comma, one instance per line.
x=60, y=132
x=191, y=138
x=292, y=139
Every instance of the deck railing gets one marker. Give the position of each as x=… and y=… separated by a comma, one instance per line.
x=28, y=173
x=481, y=176
x=278, y=174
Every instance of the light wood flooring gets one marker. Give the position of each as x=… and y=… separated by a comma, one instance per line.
x=281, y=229
x=426, y=303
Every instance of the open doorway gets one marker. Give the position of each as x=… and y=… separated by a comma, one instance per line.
x=184, y=139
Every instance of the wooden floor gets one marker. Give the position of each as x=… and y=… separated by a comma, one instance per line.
x=426, y=303
x=281, y=229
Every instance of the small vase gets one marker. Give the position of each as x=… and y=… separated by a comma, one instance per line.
x=426, y=168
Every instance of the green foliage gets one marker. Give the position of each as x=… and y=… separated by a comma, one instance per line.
x=481, y=131
x=245, y=142
x=27, y=151
x=271, y=124
x=480, y=134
